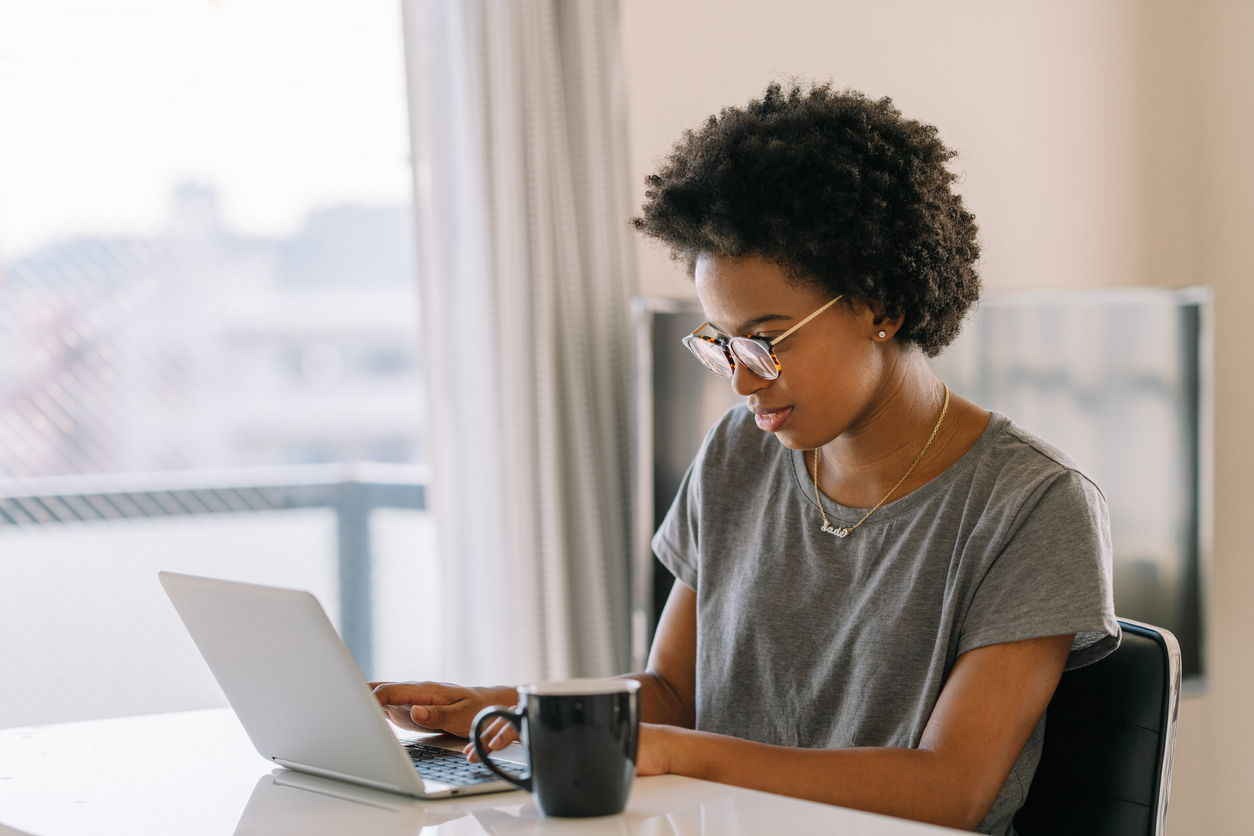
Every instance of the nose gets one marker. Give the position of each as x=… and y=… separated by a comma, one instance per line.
x=745, y=382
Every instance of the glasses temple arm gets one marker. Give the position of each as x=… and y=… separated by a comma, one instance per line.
x=802, y=322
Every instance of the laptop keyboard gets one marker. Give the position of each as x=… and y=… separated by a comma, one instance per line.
x=451, y=767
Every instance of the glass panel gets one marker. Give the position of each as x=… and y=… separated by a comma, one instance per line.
x=405, y=576
x=88, y=630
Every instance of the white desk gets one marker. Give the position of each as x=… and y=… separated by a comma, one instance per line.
x=196, y=773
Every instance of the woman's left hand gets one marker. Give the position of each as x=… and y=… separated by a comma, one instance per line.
x=652, y=749
x=653, y=753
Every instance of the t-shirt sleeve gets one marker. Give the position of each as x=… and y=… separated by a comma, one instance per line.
x=676, y=540
x=1052, y=577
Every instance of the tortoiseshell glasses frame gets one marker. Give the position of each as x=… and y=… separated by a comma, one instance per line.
x=719, y=354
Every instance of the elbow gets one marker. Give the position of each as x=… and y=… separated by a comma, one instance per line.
x=663, y=703
x=958, y=813
x=958, y=794
x=957, y=800
x=967, y=810
x=971, y=820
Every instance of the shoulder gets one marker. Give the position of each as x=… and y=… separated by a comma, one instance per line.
x=1046, y=565
x=1018, y=463
x=1042, y=509
x=1015, y=440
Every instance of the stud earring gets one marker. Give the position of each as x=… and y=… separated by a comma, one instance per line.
x=883, y=334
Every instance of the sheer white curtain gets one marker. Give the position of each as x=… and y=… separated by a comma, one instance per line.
x=520, y=167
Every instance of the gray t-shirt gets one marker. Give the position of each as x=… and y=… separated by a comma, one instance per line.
x=807, y=640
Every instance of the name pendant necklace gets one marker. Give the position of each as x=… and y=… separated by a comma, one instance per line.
x=842, y=533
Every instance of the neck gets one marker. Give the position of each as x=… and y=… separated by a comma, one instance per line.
x=869, y=457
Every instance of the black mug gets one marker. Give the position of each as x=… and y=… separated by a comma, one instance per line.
x=580, y=736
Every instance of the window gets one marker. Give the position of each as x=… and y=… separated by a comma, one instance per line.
x=206, y=283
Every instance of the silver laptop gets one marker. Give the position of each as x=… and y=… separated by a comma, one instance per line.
x=302, y=700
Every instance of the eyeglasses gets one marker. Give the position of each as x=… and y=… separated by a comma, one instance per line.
x=719, y=354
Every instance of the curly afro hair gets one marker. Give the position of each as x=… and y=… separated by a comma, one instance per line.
x=837, y=189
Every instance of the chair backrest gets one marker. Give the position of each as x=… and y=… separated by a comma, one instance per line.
x=1110, y=735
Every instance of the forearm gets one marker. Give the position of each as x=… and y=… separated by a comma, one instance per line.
x=915, y=784
x=661, y=702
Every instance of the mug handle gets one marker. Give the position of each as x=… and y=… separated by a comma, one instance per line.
x=514, y=718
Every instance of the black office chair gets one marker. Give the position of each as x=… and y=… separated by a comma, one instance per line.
x=1110, y=735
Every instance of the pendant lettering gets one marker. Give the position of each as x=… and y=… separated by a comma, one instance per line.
x=839, y=532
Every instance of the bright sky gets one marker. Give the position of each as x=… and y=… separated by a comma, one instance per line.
x=283, y=105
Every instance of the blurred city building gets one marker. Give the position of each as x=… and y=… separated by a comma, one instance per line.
x=205, y=348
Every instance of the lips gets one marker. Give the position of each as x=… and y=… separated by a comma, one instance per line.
x=772, y=422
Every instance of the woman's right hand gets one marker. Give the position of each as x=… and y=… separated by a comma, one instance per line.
x=437, y=706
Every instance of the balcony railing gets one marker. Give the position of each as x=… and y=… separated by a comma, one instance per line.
x=352, y=490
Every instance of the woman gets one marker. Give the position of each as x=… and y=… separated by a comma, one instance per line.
x=879, y=582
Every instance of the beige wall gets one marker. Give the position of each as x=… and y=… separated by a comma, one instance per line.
x=1101, y=144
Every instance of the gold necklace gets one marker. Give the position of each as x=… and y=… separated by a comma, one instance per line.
x=828, y=528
